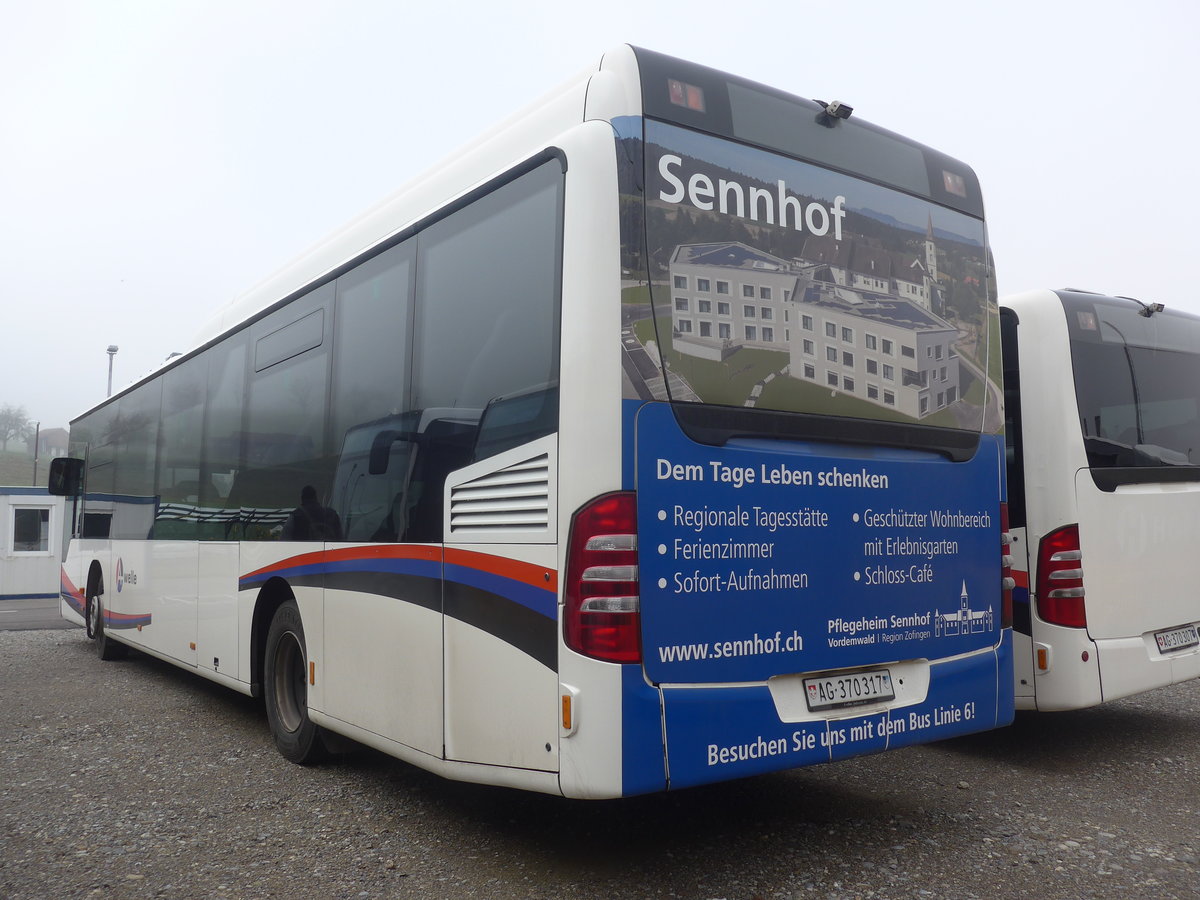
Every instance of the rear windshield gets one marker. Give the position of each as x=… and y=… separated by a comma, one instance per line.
x=1137, y=382
x=784, y=286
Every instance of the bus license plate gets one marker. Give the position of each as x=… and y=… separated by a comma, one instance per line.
x=853, y=689
x=1177, y=639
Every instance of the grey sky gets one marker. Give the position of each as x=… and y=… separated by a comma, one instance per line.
x=160, y=157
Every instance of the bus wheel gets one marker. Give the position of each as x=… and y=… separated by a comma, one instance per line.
x=285, y=680
x=91, y=615
x=106, y=649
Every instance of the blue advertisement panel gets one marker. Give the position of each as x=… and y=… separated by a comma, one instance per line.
x=730, y=732
x=827, y=584
x=762, y=558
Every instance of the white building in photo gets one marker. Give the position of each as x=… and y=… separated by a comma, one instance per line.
x=851, y=316
x=726, y=296
x=883, y=349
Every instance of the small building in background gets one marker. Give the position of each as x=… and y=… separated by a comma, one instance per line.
x=31, y=536
x=51, y=442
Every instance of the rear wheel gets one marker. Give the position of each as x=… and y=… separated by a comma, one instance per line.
x=285, y=679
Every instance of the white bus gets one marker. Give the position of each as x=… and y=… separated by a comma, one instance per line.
x=1102, y=396
x=653, y=440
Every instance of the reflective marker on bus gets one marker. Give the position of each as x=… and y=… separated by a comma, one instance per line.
x=653, y=441
x=1102, y=396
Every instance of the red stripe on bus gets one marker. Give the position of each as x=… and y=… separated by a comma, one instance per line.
x=68, y=586
x=110, y=616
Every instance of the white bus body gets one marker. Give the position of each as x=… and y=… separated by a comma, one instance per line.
x=633, y=448
x=1103, y=400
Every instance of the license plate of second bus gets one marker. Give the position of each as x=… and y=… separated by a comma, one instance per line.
x=852, y=689
x=1177, y=639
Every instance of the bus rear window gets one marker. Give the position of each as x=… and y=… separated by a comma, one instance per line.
x=1137, y=384
x=783, y=287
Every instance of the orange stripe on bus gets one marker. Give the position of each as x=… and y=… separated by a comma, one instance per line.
x=527, y=573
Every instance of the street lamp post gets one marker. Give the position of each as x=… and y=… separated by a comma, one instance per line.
x=112, y=351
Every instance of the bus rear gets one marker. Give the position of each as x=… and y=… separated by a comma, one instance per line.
x=1103, y=395
x=653, y=440
x=806, y=561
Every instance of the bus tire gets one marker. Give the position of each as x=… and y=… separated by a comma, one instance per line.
x=285, y=679
x=106, y=649
x=91, y=614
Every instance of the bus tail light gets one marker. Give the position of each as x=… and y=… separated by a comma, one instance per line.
x=602, y=618
x=1060, y=579
x=1007, y=583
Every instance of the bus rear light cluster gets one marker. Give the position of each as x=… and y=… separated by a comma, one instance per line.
x=1007, y=582
x=1060, y=579
x=602, y=618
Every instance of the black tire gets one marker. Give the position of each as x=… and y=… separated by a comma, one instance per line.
x=91, y=612
x=106, y=649
x=285, y=689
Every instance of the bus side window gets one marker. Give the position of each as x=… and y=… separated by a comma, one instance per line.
x=517, y=419
x=1013, y=444
x=284, y=448
x=500, y=314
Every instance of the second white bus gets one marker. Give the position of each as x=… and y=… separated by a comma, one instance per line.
x=1102, y=398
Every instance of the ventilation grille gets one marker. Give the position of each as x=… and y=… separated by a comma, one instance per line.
x=513, y=498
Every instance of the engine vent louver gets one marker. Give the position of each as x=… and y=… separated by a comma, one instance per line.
x=516, y=497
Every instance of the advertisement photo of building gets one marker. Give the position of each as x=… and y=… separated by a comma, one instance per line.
x=850, y=315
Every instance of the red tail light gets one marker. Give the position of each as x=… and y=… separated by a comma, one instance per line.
x=1006, y=580
x=602, y=617
x=1060, y=579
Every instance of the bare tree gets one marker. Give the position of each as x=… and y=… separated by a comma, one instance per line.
x=14, y=425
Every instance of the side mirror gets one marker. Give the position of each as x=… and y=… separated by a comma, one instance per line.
x=66, y=477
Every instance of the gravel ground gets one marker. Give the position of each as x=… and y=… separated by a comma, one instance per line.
x=134, y=779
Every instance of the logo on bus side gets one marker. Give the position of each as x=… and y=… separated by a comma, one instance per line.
x=123, y=577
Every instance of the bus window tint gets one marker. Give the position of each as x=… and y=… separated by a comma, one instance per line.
x=184, y=390
x=501, y=312
x=836, y=282
x=96, y=433
x=370, y=390
x=370, y=368
x=222, y=448
x=285, y=429
x=136, y=438
x=1137, y=386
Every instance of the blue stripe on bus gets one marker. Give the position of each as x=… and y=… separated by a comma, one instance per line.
x=537, y=599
